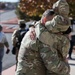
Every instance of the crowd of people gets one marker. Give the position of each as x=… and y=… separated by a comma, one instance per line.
x=43, y=48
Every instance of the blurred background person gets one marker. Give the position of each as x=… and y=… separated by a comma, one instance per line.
x=17, y=37
x=3, y=42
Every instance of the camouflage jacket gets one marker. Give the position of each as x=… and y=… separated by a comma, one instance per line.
x=58, y=45
x=36, y=58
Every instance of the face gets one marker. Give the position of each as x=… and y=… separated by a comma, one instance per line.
x=45, y=19
x=48, y=18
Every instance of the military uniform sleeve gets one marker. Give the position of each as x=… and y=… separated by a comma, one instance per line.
x=57, y=24
x=53, y=63
x=50, y=24
x=6, y=43
x=29, y=61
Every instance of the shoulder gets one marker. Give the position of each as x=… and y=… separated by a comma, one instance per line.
x=16, y=31
x=3, y=35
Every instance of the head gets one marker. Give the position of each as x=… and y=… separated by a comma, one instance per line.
x=31, y=26
x=21, y=23
x=61, y=7
x=47, y=15
x=1, y=28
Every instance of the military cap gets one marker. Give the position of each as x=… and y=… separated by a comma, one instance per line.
x=62, y=7
x=21, y=22
x=48, y=12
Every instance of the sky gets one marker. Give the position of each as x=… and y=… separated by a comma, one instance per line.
x=9, y=0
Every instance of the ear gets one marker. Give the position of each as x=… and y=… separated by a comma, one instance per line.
x=44, y=20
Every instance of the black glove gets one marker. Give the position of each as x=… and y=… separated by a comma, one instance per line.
x=8, y=50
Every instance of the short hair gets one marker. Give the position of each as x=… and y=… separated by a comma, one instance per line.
x=21, y=23
x=48, y=12
x=1, y=28
x=31, y=25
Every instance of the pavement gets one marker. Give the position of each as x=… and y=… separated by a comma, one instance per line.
x=11, y=70
x=72, y=63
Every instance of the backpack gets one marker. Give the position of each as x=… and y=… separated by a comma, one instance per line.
x=20, y=34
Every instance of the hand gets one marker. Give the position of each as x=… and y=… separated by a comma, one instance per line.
x=8, y=50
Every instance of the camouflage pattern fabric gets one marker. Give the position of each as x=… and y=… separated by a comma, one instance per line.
x=52, y=61
x=57, y=47
x=62, y=7
x=37, y=58
x=61, y=22
x=29, y=59
x=56, y=41
x=58, y=24
x=46, y=55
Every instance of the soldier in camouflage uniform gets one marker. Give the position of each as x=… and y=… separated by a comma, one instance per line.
x=58, y=25
x=55, y=44
x=29, y=59
x=40, y=56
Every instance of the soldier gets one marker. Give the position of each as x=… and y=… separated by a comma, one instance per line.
x=17, y=37
x=29, y=60
x=52, y=37
x=40, y=56
x=58, y=25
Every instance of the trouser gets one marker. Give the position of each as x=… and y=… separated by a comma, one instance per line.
x=17, y=57
x=1, y=57
x=71, y=48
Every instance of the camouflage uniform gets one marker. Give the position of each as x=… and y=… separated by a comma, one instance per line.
x=35, y=58
x=54, y=46
x=40, y=56
x=29, y=59
x=53, y=52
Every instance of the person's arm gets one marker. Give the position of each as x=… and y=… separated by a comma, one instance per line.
x=57, y=24
x=53, y=63
x=6, y=45
x=51, y=24
x=24, y=51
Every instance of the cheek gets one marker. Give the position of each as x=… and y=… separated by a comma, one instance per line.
x=45, y=19
x=48, y=19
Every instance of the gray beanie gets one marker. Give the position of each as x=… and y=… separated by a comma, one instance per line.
x=48, y=12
